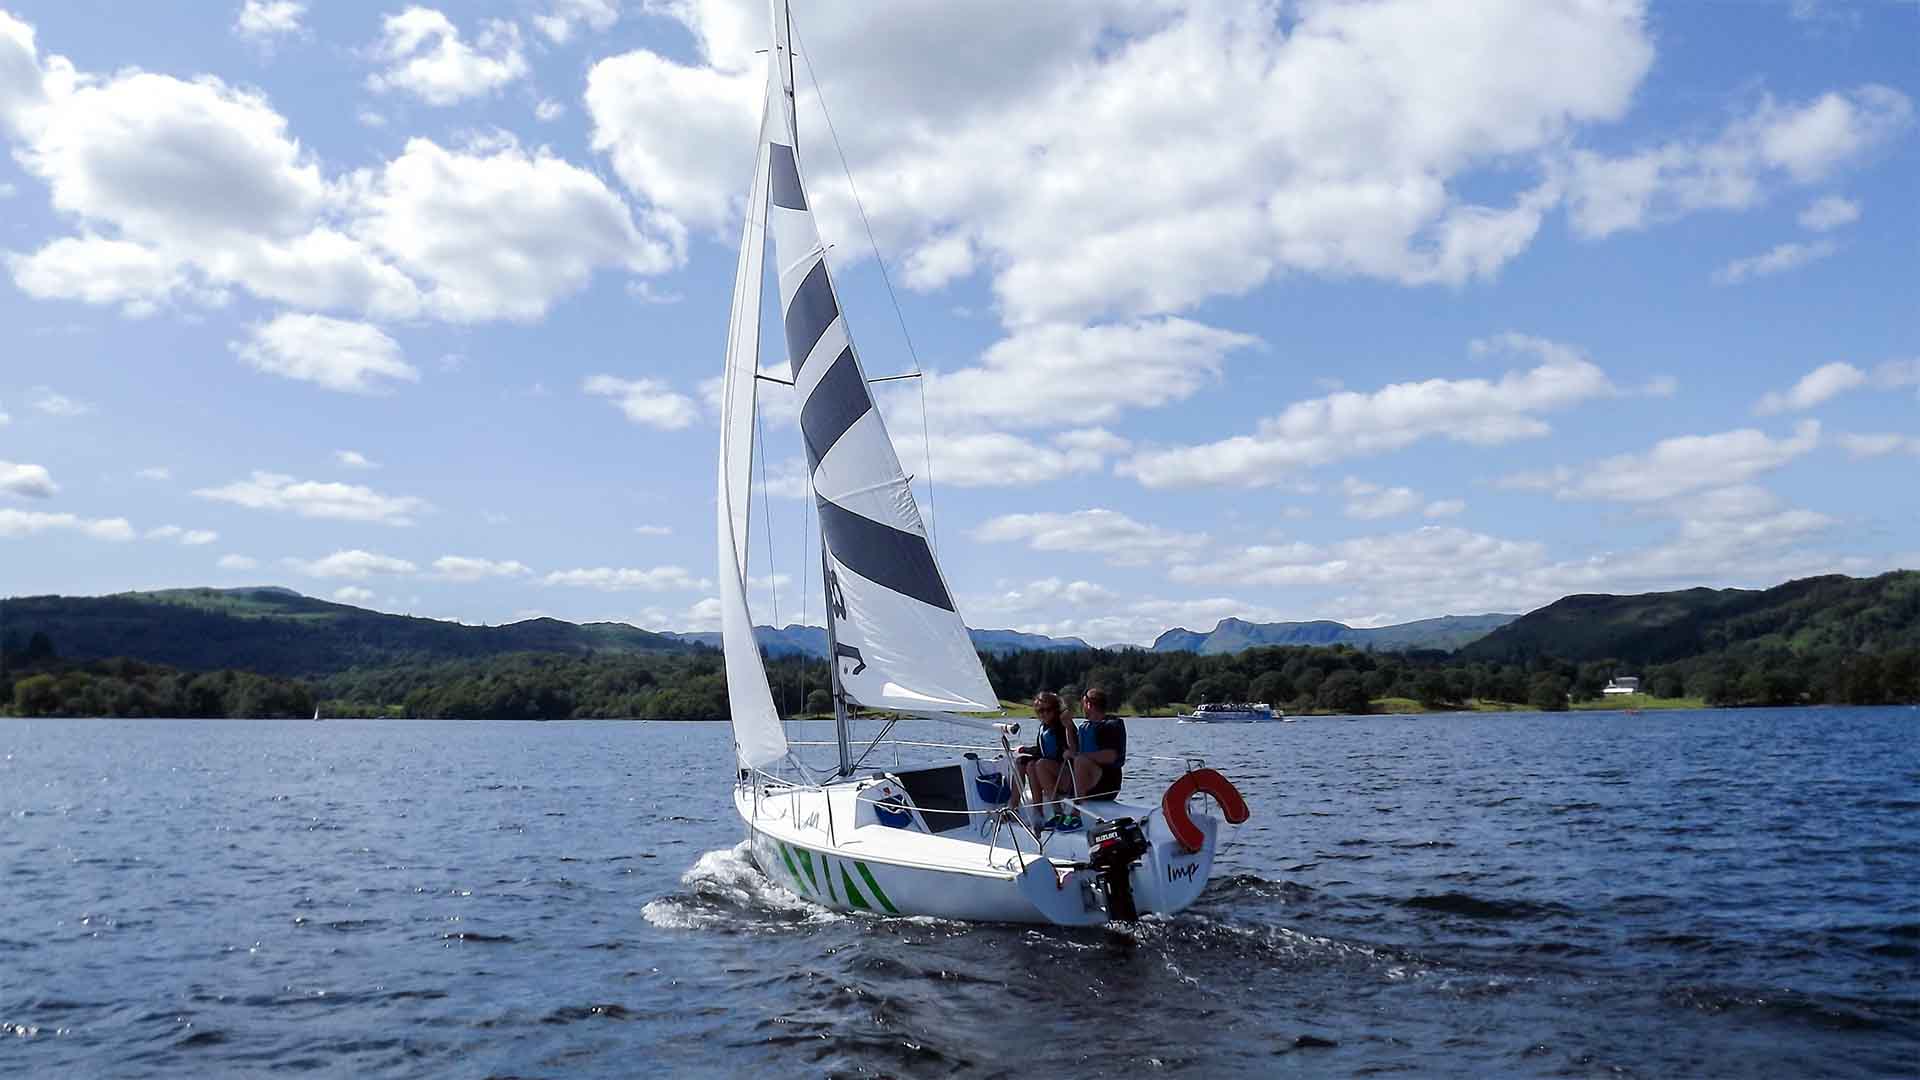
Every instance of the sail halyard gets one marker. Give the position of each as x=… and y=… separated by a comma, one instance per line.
x=898, y=641
x=760, y=741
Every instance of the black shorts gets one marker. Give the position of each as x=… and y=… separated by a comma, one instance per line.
x=1107, y=786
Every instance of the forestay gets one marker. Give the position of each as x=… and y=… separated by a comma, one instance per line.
x=899, y=640
x=757, y=734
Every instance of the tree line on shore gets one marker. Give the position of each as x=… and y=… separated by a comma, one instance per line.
x=34, y=681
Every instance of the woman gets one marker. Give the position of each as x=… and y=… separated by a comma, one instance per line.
x=1039, y=765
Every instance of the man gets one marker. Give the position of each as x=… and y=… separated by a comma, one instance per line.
x=1101, y=752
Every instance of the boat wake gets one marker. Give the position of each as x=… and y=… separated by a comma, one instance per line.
x=724, y=890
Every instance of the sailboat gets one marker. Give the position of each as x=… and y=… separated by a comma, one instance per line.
x=939, y=839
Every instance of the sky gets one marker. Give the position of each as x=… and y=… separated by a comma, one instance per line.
x=1367, y=311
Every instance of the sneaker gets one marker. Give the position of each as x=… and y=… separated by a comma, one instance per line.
x=1055, y=822
x=1069, y=824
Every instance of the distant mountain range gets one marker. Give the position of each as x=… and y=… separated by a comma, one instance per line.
x=799, y=640
x=1446, y=633
x=276, y=631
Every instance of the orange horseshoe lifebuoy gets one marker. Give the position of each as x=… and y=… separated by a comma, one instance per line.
x=1200, y=781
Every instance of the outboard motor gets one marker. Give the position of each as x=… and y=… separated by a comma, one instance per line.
x=1113, y=849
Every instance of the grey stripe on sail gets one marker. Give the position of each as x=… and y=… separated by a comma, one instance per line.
x=884, y=555
x=809, y=314
x=838, y=400
x=784, y=178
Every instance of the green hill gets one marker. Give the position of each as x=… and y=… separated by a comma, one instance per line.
x=1811, y=615
x=280, y=632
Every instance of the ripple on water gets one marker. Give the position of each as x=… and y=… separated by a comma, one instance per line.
x=1435, y=895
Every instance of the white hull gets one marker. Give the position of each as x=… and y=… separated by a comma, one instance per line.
x=827, y=845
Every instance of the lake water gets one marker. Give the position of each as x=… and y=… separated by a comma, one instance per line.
x=1679, y=893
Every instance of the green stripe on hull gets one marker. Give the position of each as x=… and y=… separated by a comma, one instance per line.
x=853, y=894
x=786, y=856
x=806, y=860
x=873, y=886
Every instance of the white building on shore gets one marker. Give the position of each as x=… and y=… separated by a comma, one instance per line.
x=1622, y=684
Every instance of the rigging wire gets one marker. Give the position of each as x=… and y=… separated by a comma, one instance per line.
x=926, y=437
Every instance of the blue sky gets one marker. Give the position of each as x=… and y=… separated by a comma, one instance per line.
x=1370, y=312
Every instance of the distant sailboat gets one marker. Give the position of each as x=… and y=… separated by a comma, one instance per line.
x=936, y=840
x=316, y=712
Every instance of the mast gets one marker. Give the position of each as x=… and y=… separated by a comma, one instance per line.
x=783, y=47
x=836, y=604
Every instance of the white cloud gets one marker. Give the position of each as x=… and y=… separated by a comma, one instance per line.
x=1427, y=553
x=1446, y=508
x=354, y=459
x=1390, y=106
x=939, y=262
x=610, y=579
x=1058, y=374
x=334, y=353
x=467, y=568
x=100, y=271
x=547, y=110
x=237, y=562
x=1829, y=212
x=698, y=616
x=499, y=231
x=1098, y=614
x=1675, y=466
x=184, y=190
x=563, y=16
x=1776, y=260
x=353, y=594
x=354, y=565
x=1815, y=387
x=646, y=293
x=1879, y=445
x=313, y=499
x=645, y=401
x=967, y=458
x=681, y=137
x=1737, y=536
x=1773, y=144
x=426, y=57
x=1661, y=386
x=31, y=481
x=189, y=537
x=1369, y=501
x=155, y=472
x=1897, y=373
x=654, y=530
x=1351, y=424
x=18, y=523
x=46, y=401
x=264, y=20
x=1114, y=536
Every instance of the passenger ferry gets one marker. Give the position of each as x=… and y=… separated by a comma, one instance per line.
x=1258, y=712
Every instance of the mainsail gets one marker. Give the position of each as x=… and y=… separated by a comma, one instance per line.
x=899, y=642
x=757, y=735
